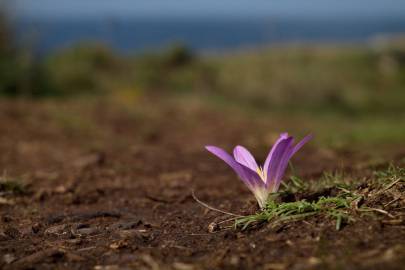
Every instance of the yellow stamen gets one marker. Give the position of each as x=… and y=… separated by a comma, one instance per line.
x=260, y=172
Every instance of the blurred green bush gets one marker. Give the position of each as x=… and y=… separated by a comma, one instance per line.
x=176, y=69
x=20, y=75
x=82, y=69
x=351, y=79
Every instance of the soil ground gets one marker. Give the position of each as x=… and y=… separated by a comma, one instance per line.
x=110, y=188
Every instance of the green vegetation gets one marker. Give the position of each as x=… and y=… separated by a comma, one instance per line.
x=348, y=202
x=14, y=187
x=392, y=175
x=338, y=207
x=326, y=181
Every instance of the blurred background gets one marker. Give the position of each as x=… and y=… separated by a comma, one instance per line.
x=334, y=68
x=106, y=106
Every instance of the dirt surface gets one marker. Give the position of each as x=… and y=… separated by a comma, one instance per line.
x=109, y=188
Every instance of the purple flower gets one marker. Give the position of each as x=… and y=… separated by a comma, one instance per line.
x=261, y=180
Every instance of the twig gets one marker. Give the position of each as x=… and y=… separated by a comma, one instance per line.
x=379, y=211
x=213, y=208
x=343, y=189
x=391, y=184
x=391, y=202
x=226, y=220
x=199, y=234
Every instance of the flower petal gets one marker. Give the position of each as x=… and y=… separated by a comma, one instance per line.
x=261, y=195
x=283, y=166
x=276, y=167
x=286, y=158
x=301, y=144
x=283, y=136
x=244, y=157
x=250, y=178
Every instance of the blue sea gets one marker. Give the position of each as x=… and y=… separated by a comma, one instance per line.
x=137, y=35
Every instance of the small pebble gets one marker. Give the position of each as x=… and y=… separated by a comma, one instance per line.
x=8, y=258
x=86, y=231
x=58, y=229
x=213, y=227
